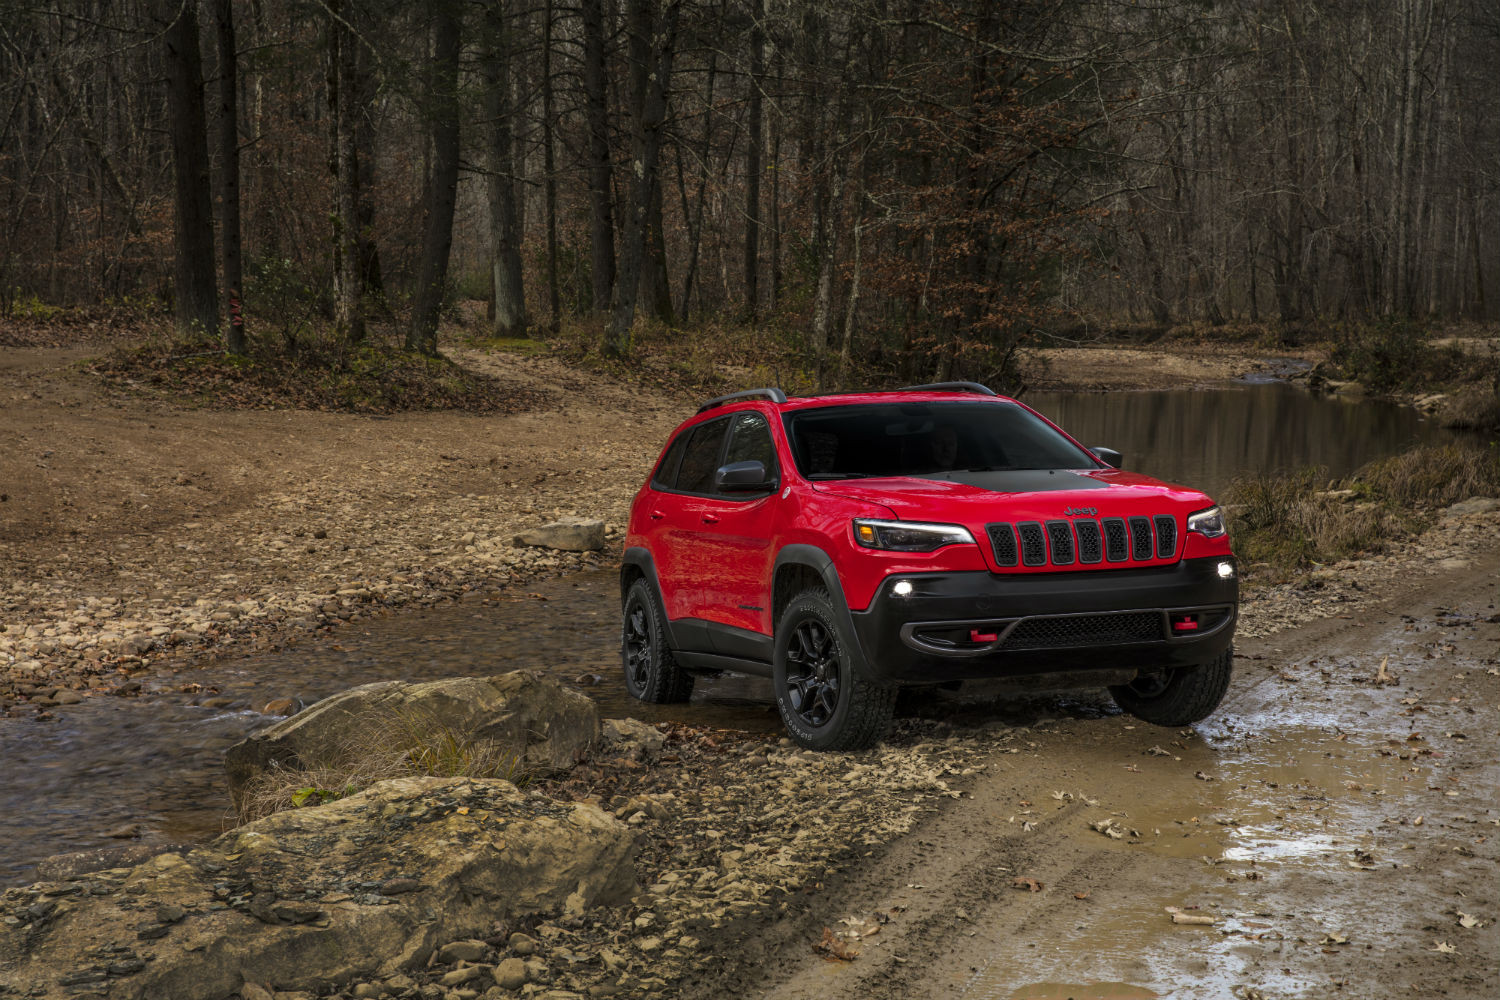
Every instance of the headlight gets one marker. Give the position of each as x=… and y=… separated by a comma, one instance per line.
x=908, y=536
x=1208, y=523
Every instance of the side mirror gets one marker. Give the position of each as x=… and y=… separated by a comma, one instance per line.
x=742, y=477
x=1109, y=457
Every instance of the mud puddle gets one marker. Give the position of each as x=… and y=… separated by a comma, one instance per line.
x=1322, y=822
x=114, y=771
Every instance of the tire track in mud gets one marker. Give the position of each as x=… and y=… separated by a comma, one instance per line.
x=966, y=859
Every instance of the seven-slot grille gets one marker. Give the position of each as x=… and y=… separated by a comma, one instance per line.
x=1083, y=541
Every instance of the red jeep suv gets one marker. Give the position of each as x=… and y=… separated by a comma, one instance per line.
x=846, y=546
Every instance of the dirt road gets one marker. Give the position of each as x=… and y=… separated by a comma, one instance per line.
x=1337, y=824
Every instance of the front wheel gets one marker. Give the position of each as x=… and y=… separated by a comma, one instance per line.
x=1177, y=697
x=823, y=704
x=650, y=672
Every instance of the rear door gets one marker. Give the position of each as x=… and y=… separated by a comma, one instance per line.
x=684, y=497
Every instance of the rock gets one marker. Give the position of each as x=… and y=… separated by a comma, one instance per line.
x=1474, y=505
x=535, y=721
x=571, y=534
x=485, y=851
x=282, y=706
x=632, y=732
x=522, y=944
x=459, y=977
x=66, y=866
x=67, y=697
x=253, y=991
x=462, y=951
x=510, y=974
x=1347, y=388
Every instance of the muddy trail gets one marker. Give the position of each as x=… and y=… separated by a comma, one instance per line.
x=1331, y=831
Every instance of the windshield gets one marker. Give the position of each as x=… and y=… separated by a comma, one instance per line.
x=926, y=440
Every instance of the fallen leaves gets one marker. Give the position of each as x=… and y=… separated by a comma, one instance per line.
x=1443, y=947
x=1181, y=916
x=1383, y=676
x=835, y=948
x=1028, y=883
x=1468, y=922
x=1108, y=828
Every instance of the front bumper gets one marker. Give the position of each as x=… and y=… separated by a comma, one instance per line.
x=972, y=625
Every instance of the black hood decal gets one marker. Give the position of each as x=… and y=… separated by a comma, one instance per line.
x=1019, y=480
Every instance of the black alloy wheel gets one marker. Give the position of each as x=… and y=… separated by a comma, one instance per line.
x=651, y=674
x=824, y=702
x=812, y=672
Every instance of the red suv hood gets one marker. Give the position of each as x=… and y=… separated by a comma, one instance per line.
x=976, y=499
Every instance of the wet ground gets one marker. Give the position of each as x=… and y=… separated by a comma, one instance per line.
x=150, y=769
x=1331, y=831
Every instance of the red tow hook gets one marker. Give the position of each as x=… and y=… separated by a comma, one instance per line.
x=1184, y=623
x=977, y=636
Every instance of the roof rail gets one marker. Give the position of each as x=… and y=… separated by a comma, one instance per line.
x=975, y=387
x=774, y=395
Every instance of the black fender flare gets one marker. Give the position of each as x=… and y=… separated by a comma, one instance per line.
x=821, y=562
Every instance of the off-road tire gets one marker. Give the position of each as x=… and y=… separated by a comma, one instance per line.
x=1177, y=697
x=824, y=703
x=651, y=674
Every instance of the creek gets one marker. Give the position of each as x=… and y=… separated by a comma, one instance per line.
x=151, y=766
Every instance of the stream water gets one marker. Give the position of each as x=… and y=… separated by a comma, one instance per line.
x=154, y=763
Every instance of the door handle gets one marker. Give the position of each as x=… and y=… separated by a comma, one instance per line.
x=657, y=515
x=710, y=519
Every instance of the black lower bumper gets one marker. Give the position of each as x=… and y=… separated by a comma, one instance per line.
x=961, y=626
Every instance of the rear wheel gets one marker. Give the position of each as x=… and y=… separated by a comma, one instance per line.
x=822, y=702
x=1177, y=697
x=650, y=672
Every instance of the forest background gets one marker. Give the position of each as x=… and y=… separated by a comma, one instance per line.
x=858, y=190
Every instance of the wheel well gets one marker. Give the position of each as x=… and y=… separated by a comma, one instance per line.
x=791, y=580
x=628, y=575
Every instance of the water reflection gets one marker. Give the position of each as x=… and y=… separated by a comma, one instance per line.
x=1205, y=439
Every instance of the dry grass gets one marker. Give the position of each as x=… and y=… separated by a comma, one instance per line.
x=1294, y=522
x=397, y=744
x=1435, y=476
x=1476, y=407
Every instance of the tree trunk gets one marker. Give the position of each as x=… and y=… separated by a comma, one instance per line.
x=654, y=43
x=549, y=168
x=229, y=177
x=196, y=297
x=442, y=184
x=596, y=113
x=753, y=161
x=695, y=216
x=348, y=277
x=505, y=249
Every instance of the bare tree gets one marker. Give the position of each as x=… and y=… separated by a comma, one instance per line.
x=442, y=182
x=194, y=291
x=500, y=184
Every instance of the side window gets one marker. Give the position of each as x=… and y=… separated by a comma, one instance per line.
x=701, y=458
x=666, y=472
x=750, y=441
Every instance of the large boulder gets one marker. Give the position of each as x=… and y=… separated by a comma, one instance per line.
x=537, y=723
x=571, y=534
x=310, y=898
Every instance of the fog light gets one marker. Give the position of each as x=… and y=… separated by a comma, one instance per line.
x=1226, y=570
x=902, y=588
